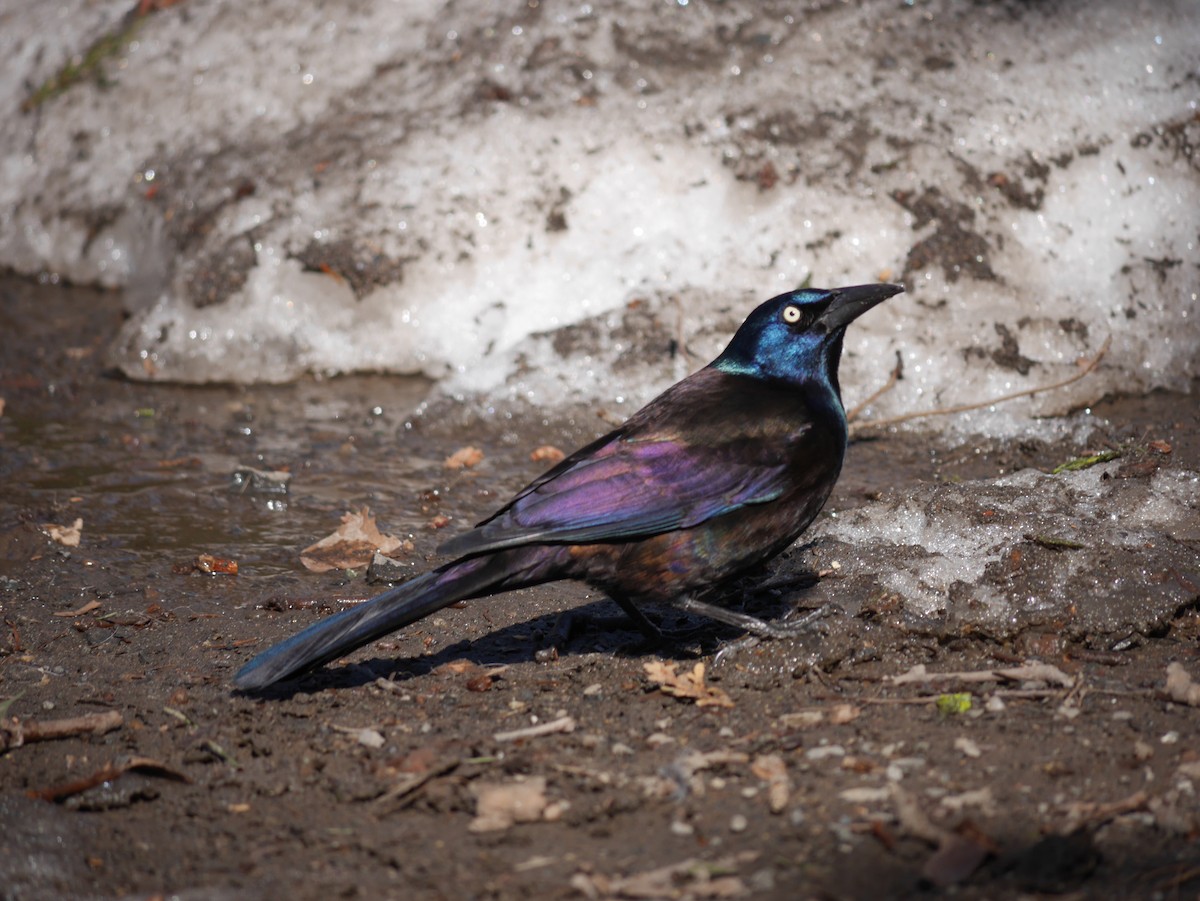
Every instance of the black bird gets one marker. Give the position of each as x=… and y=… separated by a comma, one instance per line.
x=715, y=476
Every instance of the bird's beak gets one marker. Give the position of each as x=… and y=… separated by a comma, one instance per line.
x=847, y=304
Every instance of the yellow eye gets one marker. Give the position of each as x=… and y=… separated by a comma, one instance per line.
x=791, y=315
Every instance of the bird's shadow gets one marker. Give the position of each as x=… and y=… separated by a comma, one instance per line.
x=595, y=627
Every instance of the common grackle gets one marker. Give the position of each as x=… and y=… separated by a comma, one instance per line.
x=716, y=475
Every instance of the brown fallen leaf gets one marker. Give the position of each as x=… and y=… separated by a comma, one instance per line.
x=352, y=545
x=207, y=563
x=500, y=805
x=482, y=682
x=802, y=719
x=771, y=769
x=1181, y=687
x=481, y=677
x=364, y=735
x=67, y=536
x=844, y=713
x=464, y=458
x=547, y=453
x=689, y=686
x=457, y=667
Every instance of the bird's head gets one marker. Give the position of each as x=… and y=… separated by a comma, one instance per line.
x=797, y=337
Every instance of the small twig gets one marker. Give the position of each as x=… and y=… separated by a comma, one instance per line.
x=1029, y=694
x=1097, y=813
x=562, y=724
x=897, y=375
x=406, y=788
x=1030, y=672
x=107, y=773
x=220, y=753
x=964, y=408
x=860, y=699
x=15, y=733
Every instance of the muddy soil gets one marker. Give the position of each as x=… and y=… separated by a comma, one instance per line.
x=796, y=769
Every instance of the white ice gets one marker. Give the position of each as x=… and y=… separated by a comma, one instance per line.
x=232, y=145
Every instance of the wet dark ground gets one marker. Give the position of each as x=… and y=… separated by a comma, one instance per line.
x=820, y=779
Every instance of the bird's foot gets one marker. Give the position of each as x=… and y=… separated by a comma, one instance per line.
x=758, y=629
x=733, y=648
x=754, y=625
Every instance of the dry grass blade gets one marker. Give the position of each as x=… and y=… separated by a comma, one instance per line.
x=1004, y=398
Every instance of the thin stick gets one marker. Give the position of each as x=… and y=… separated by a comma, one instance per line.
x=897, y=374
x=15, y=732
x=963, y=408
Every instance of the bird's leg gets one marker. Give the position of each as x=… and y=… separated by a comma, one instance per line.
x=752, y=624
x=643, y=623
x=571, y=621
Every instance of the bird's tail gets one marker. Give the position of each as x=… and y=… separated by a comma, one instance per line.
x=340, y=634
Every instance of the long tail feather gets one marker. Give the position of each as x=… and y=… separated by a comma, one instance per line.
x=340, y=634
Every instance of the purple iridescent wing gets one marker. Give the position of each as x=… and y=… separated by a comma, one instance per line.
x=626, y=488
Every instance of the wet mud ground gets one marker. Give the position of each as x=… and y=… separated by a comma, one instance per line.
x=798, y=770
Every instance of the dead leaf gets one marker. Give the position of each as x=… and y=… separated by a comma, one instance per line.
x=1181, y=687
x=482, y=682
x=457, y=667
x=844, y=713
x=547, y=453
x=223, y=566
x=686, y=685
x=464, y=458
x=67, y=536
x=803, y=719
x=365, y=736
x=353, y=544
x=499, y=806
x=772, y=770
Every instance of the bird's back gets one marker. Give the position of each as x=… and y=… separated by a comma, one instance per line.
x=717, y=475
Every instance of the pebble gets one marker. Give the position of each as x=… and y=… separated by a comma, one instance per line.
x=967, y=746
x=825, y=751
x=738, y=823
